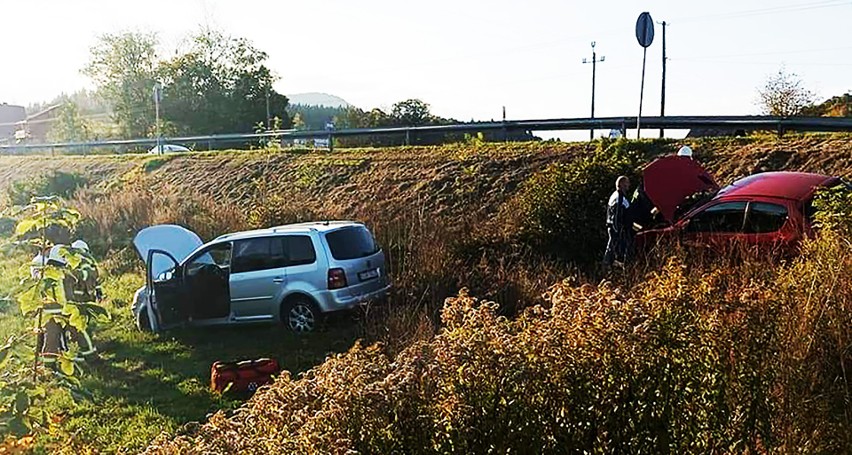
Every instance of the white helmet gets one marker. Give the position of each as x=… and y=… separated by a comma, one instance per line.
x=685, y=151
x=54, y=255
x=80, y=245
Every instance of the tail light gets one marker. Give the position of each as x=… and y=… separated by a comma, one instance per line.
x=336, y=279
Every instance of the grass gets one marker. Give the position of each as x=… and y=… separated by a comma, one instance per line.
x=432, y=208
x=142, y=384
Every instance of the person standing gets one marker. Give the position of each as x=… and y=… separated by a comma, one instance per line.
x=617, y=224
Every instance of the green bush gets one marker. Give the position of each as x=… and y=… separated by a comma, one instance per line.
x=7, y=226
x=834, y=209
x=562, y=209
x=55, y=183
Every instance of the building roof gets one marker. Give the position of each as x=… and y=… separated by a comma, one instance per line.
x=786, y=185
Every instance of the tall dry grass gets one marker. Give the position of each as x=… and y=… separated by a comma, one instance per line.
x=111, y=218
x=696, y=357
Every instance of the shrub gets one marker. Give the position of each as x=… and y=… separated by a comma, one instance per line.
x=834, y=209
x=7, y=226
x=55, y=183
x=562, y=210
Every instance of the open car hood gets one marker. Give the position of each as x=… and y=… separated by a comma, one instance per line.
x=176, y=240
x=670, y=180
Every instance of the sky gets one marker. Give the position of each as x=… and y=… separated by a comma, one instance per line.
x=466, y=58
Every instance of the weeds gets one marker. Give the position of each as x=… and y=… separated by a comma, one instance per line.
x=693, y=359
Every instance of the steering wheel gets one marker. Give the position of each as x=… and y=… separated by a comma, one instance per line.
x=215, y=271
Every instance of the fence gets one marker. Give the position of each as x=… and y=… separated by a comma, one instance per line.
x=726, y=123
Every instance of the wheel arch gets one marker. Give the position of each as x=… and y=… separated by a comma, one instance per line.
x=294, y=296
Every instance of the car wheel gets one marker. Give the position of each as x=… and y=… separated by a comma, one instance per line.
x=301, y=315
x=144, y=323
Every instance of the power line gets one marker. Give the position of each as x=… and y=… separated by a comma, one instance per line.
x=772, y=10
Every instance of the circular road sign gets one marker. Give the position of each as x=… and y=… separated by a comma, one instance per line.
x=645, y=29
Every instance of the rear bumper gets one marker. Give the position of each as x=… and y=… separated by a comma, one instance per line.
x=341, y=300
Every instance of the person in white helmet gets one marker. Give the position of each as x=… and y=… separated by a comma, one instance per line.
x=83, y=287
x=618, y=226
x=76, y=287
x=685, y=151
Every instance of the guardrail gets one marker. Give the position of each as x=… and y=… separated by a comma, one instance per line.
x=731, y=123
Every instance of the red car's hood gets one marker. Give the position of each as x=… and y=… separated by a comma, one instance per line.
x=670, y=180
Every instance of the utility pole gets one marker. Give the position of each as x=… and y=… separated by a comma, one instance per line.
x=663, y=92
x=505, y=131
x=594, y=63
x=268, y=119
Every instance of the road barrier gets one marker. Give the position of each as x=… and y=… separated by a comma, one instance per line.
x=727, y=124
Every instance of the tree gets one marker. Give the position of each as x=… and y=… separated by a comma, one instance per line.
x=837, y=106
x=412, y=112
x=26, y=358
x=784, y=95
x=69, y=125
x=122, y=67
x=219, y=85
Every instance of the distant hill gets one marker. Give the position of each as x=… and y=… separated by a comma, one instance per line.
x=318, y=99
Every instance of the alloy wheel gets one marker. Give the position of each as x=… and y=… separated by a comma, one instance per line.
x=301, y=318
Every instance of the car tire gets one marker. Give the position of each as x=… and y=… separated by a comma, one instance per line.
x=143, y=322
x=300, y=315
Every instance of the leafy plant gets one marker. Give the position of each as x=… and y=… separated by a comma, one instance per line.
x=562, y=208
x=43, y=297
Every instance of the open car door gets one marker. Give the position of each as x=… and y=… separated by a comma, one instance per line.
x=166, y=291
x=669, y=181
x=163, y=248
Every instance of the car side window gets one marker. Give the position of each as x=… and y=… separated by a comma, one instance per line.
x=724, y=217
x=219, y=255
x=297, y=250
x=764, y=217
x=253, y=254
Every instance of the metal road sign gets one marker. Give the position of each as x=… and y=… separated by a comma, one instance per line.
x=645, y=29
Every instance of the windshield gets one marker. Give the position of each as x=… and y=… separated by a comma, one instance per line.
x=694, y=201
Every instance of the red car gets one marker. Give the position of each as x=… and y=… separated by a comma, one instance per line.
x=772, y=209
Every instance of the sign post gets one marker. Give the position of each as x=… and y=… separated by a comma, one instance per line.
x=158, y=96
x=645, y=36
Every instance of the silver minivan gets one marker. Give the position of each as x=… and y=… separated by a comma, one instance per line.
x=292, y=274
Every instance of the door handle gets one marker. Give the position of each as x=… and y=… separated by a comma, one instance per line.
x=278, y=280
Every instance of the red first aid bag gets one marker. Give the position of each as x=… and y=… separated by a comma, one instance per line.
x=243, y=376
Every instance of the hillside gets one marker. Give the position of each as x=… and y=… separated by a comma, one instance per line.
x=445, y=180
x=451, y=222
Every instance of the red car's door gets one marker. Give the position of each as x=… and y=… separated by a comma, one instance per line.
x=771, y=224
x=715, y=225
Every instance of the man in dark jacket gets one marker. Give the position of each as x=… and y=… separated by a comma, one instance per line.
x=618, y=226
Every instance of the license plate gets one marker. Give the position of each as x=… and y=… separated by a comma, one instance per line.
x=369, y=275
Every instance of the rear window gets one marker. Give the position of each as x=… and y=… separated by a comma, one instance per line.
x=351, y=243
